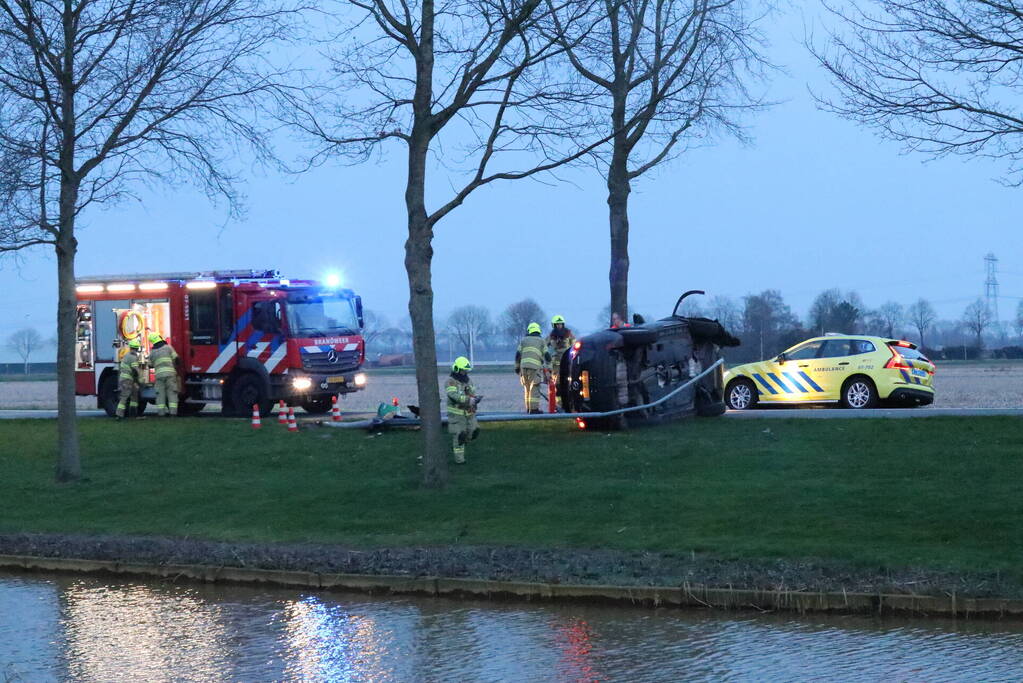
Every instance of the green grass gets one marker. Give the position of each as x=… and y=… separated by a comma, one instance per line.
x=937, y=492
x=22, y=377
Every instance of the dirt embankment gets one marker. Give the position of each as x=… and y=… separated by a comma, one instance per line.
x=569, y=566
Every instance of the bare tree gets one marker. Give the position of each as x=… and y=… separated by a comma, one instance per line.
x=890, y=315
x=473, y=69
x=727, y=312
x=766, y=320
x=669, y=74
x=941, y=76
x=375, y=325
x=24, y=343
x=99, y=95
x=1018, y=321
x=977, y=318
x=921, y=315
x=470, y=325
x=516, y=318
x=833, y=311
x=820, y=310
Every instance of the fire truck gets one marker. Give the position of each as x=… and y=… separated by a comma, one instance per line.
x=244, y=337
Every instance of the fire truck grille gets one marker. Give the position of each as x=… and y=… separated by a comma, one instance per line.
x=318, y=362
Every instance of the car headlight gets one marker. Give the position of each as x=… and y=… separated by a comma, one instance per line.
x=360, y=379
x=301, y=383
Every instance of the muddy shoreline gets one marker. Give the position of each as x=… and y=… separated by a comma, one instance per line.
x=495, y=563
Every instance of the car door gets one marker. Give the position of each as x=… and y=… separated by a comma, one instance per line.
x=833, y=366
x=786, y=378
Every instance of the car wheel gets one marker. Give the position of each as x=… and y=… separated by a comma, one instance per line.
x=741, y=394
x=859, y=393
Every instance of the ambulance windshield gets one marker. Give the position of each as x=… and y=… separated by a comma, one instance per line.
x=315, y=316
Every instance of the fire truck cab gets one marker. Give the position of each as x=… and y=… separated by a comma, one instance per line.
x=244, y=337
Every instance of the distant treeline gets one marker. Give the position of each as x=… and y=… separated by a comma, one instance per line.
x=763, y=321
x=33, y=368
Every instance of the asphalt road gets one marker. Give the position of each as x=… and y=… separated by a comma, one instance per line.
x=768, y=413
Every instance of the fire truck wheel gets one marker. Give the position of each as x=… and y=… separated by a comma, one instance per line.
x=190, y=408
x=108, y=394
x=247, y=390
x=317, y=406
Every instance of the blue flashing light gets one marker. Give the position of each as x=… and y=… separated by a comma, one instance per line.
x=333, y=280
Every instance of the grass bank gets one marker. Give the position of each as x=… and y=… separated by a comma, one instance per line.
x=941, y=493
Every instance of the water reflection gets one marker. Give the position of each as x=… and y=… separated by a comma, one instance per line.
x=153, y=627
x=58, y=628
x=329, y=642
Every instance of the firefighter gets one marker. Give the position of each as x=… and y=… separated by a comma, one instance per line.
x=531, y=360
x=462, y=402
x=164, y=360
x=129, y=378
x=559, y=341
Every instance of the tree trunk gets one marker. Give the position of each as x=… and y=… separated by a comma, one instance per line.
x=418, y=260
x=69, y=466
x=618, y=189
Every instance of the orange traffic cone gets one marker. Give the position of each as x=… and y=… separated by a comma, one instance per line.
x=256, y=424
x=335, y=410
x=292, y=425
x=282, y=413
x=394, y=402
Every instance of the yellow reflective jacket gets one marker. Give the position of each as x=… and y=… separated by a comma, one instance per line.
x=460, y=393
x=532, y=354
x=129, y=368
x=559, y=345
x=162, y=357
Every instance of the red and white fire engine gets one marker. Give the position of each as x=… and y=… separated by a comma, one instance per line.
x=244, y=337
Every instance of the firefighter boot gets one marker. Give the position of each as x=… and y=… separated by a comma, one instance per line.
x=459, y=448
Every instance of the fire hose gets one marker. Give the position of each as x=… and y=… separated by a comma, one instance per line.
x=517, y=417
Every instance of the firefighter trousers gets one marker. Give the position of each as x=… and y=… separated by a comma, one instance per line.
x=167, y=395
x=463, y=429
x=531, y=380
x=128, y=391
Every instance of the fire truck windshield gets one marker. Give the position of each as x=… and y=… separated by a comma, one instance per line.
x=321, y=316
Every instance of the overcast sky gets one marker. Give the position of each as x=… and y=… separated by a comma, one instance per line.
x=815, y=202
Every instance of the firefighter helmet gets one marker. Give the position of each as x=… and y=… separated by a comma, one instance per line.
x=155, y=337
x=134, y=343
x=461, y=364
x=533, y=328
x=558, y=319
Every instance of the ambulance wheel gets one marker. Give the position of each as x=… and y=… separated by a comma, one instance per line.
x=247, y=390
x=741, y=394
x=108, y=394
x=318, y=406
x=859, y=393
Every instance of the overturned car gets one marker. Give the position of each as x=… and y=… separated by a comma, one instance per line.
x=635, y=366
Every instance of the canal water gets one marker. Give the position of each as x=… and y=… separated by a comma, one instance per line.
x=63, y=628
